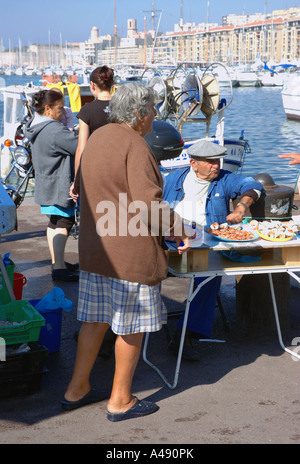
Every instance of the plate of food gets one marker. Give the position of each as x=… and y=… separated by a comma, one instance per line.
x=234, y=233
x=275, y=231
x=271, y=237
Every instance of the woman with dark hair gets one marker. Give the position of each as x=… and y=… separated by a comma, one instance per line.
x=94, y=114
x=53, y=151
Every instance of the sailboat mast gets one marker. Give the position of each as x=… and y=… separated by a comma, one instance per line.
x=181, y=29
x=181, y=13
x=115, y=30
x=145, y=40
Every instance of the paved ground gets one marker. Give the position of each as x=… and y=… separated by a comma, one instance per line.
x=243, y=391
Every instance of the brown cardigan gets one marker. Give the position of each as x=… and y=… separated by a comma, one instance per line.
x=117, y=160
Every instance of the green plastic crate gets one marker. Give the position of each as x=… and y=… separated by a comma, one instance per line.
x=19, y=311
x=4, y=295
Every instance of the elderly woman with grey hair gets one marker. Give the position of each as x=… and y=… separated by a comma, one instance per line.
x=122, y=257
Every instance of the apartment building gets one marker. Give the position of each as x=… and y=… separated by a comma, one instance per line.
x=276, y=38
x=241, y=39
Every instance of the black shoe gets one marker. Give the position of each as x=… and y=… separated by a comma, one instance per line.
x=188, y=352
x=64, y=275
x=139, y=409
x=93, y=396
x=72, y=267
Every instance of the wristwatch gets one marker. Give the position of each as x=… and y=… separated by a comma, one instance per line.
x=243, y=204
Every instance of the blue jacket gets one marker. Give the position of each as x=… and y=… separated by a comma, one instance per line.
x=225, y=187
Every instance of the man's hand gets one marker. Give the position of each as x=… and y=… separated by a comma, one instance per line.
x=295, y=157
x=238, y=214
x=183, y=244
x=235, y=217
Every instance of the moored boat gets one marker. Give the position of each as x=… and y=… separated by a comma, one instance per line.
x=14, y=106
x=291, y=95
x=236, y=150
x=272, y=79
x=130, y=73
x=248, y=79
x=14, y=111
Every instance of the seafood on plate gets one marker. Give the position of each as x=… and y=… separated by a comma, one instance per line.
x=254, y=224
x=277, y=230
x=224, y=225
x=233, y=232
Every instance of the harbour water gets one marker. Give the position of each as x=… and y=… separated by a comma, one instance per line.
x=259, y=113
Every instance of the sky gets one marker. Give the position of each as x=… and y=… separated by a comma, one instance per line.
x=34, y=21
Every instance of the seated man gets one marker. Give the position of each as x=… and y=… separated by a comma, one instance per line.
x=201, y=195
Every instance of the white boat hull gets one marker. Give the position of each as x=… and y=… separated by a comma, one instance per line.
x=14, y=107
x=248, y=79
x=231, y=162
x=272, y=80
x=248, y=83
x=234, y=83
x=291, y=97
x=291, y=106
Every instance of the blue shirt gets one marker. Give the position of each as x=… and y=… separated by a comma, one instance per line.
x=58, y=210
x=227, y=186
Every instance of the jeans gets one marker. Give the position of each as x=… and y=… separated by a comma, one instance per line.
x=202, y=308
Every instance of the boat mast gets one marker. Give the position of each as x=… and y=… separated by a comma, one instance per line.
x=145, y=41
x=49, y=44
x=155, y=37
x=115, y=31
x=181, y=29
x=153, y=16
x=266, y=33
x=207, y=28
x=20, y=54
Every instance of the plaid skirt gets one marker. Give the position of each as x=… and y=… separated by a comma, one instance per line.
x=128, y=307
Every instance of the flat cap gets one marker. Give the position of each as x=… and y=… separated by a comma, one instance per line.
x=206, y=149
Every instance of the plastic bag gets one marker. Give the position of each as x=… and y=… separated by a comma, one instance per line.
x=54, y=300
x=235, y=256
x=6, y=260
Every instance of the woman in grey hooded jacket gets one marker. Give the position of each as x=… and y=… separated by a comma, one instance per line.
x=53, y=154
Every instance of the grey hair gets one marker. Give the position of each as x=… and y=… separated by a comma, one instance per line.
x=130, y=100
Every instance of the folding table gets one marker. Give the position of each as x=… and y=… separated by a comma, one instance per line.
x=207, y=261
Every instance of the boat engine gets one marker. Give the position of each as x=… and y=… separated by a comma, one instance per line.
x=164, y=141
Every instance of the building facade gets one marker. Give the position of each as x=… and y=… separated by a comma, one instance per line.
x=276, y=38
x=241, y=39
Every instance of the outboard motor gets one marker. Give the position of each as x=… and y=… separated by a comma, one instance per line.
x=164, y=141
